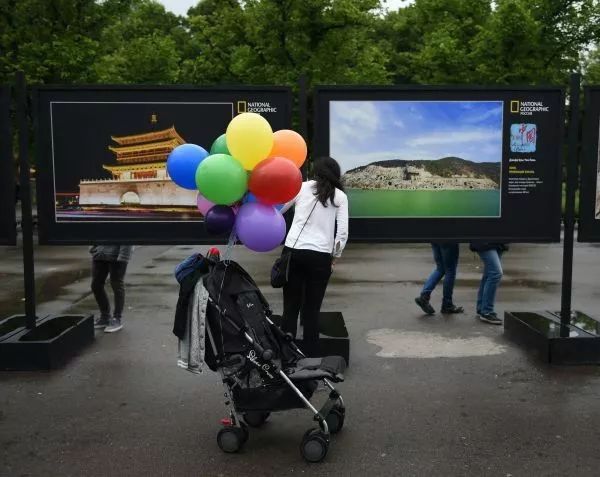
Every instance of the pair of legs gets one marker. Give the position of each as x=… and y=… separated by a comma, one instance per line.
x=492, y=274
x=446, y=262
x=303, y=293
x=101, y=269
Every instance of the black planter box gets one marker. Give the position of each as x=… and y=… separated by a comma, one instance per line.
x=333, y=334
x=542, y=333
x=50, y=345
x=13, y=324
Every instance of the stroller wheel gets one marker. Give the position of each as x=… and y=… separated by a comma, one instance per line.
x=230, y=439
x=335, y=420
x=256, y=418
x=314, y=446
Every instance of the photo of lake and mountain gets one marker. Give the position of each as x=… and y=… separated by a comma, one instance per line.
x=419, y=158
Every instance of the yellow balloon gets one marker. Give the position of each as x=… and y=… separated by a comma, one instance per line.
x=249, y=139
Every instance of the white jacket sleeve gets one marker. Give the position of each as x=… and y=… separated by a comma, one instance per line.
x=341, y=218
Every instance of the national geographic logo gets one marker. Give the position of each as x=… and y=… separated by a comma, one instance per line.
x=255, y=107
x=527, y=108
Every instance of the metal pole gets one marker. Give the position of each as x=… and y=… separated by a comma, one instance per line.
x=569, y=218
x=302, y=106
x=26, y=215
x=303, y=114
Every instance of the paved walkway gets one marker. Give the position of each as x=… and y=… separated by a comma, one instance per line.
x=426, y=395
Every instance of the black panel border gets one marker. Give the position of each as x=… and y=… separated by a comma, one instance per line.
x=137, y=233
x=383, y=232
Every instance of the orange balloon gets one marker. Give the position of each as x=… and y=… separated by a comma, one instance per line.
x=289, y=144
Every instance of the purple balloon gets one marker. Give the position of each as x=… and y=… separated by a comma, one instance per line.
x=260, y=227
x=204, y=205
x=219, y=220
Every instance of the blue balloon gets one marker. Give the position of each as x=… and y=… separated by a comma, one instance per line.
x=250, y=198
x=183, y=162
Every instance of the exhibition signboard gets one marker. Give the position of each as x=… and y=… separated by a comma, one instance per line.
x=443, y=163
x=102, y=155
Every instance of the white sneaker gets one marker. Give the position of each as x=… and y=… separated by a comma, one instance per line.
x=114, y=324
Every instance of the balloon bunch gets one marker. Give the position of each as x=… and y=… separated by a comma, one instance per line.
x=244, y=181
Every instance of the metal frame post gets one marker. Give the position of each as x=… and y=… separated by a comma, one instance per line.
x=569, y=218
x=25, y=193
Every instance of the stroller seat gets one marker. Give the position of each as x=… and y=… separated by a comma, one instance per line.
x=261, y=367
x=329, y=367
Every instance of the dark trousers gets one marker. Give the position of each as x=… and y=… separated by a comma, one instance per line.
x=101, y=269
x=303, y=293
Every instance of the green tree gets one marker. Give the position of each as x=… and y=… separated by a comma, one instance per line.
x=592, y=67
x=500, y=42
x=442, y=34
x=53, y=41
x=216, y=34
x=143, y=46
x=535, y=41
x=329, y=40
x=274, y=41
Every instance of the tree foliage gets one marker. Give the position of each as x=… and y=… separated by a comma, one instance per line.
x=274, y=41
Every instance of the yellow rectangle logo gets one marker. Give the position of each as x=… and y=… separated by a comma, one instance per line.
x=514, y=106
x=242, y=107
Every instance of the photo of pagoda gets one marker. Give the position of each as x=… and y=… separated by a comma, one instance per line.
x=138, y=186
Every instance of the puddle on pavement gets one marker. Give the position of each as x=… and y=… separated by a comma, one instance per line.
x=416, y=344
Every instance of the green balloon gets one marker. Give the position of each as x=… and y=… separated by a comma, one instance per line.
x=220, y=146
x=221, y=179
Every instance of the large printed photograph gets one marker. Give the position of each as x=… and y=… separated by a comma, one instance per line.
x=419, y=158
x=109, y=158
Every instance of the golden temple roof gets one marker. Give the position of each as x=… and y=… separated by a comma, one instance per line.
x=136, y=167
x=123, y=150
x=164, y=134
x=144, y=152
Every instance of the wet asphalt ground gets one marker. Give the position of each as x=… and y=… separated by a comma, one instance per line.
x=425, y=395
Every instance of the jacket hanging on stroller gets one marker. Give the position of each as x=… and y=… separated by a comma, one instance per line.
x=192, y=345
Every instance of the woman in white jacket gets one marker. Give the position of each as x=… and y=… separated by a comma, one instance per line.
x=316, y=239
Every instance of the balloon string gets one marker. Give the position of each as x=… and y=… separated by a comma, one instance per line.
x=226, y=259
x=230, y=245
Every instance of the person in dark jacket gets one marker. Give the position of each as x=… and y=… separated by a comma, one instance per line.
x=445, y=256
x=491, y=255
x=109, y=260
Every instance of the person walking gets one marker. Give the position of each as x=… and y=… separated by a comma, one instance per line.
x=316, y=239
x=491, y=257
x=445, y=256
x=109, y=260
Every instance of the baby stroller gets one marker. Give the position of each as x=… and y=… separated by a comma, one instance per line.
x=262, y=368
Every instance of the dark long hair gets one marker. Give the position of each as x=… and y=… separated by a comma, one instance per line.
x=328, y=175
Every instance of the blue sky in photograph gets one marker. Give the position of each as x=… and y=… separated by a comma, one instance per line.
x=362, y=132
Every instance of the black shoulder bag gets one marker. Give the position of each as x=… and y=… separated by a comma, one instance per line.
x=281, y=267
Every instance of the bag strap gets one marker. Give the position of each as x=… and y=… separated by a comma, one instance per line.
x=305, y=222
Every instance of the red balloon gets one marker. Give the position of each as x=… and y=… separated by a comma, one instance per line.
x=275, y=180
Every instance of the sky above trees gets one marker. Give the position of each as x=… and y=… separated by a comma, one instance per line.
x=180, y=7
